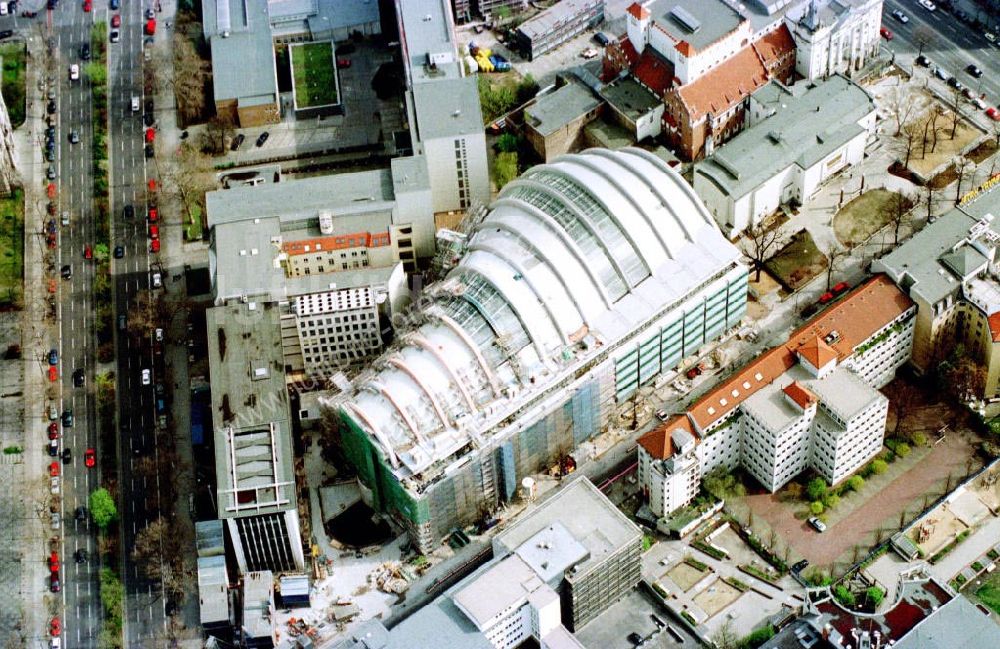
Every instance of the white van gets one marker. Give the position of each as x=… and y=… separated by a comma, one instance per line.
x=4, y=10
x=135, y=104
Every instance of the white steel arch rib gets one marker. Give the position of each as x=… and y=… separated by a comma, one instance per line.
x=428, y=346
x=403, y=367
x=446, y=320
x=389, y=450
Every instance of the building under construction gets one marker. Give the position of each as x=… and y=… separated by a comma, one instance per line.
x=587, y=278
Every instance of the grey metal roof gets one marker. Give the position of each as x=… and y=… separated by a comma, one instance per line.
x=428, y=28
x=630, y=97
x=715, y=19
x=956, y=625
x=258, y=603
x=553, y=17
x=243, y=63
x=209, y=538
x=250, y=409
x=807, y=127
x=555, y=110
x=916, y=265
x=587, y=515
x=370, y=634
x=769, y=405
x=213, y=594
x=551, y=552
x=503, y=585
x=447, y=107
x=438, y=624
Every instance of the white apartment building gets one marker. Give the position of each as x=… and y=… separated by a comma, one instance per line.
x=812, y=402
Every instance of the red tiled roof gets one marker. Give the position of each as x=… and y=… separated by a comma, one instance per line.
x=654, y=72
x=817, y=352
x=335, y=242
x=684, y=48
x=801, y=395
x=637, y=11
x=855, y=318
x=774, y=45
x=724, y=86
x=657, y=441
x=994, y=321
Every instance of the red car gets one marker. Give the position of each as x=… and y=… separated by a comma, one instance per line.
x=826, y=297
x=53, y=373
x=154, y=245
x=54, y=469
x=152, y=215
x=150, y=136
x=343, y=63
x=88, y=253
x=154, y=232
x=116, y=21
x=53, y=430
x=54, y=562
x=841, y=287
x=993, y=114
x=88, y=5
x=55, y=627
x=886, y=34
x=150, y=27
x=89, y=458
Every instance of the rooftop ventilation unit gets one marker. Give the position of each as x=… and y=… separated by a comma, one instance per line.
x=685, y=19
x=326, y=223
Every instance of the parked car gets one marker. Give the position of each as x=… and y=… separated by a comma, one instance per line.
x=154, y=231
x=157, y=280
x=53, y=430
x=66, y=271
x=237, y=141
x=973, y=70
x=993, y=114
x=67, y=456
x=154, y=245
x=263, y=138
x=88, y=5
x=119, y=252
x=114, y=36
x=923, y=61
x=662, y=415
x=116, y=20
x=51, y=173
x=53, y=357
x=343, y=63
x=941, y=73
x=955, y=83
x=817, y=524
x=149, y=151
x=601, y=39
x=152, y=215
x=885, y=33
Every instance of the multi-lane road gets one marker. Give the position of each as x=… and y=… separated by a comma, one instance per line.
x=953, y=45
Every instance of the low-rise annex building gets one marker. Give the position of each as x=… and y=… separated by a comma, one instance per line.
x=812, y=402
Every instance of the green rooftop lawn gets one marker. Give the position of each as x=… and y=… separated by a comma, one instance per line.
x=313, y=74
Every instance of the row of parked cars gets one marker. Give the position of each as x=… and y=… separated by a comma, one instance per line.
x=993, y=112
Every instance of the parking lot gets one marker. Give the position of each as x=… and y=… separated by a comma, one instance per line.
x=634, y=614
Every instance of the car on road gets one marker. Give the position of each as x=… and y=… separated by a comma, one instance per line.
x=154, y=245
x=80, y=513
x=157, y=280
x=941, y=73
x=817, y=524
x=81, y=555
x=65, y=217
x=50, y=173
x=116, y=20
x=993, y=114
x=923, y=61
x=900, y=16
x=237, y=141
x=53, y=357
x=955, y=83
x=152, y=215
x=343, y=63
x=119, y=252
x=74, y=137
x=53, y=430
x=90, y=458
x=67, y=418
x=74, y=72
x=885, y=33
x=973, y=70
x=135, y=104
x=128, y=212
x=158, y=335
x=78, y=377
x=88, y=252
x=114, y=36
x=263, y=138
x=50, y=108
x=147, y=376
x=85, y=51
x=927, y=4
x=67, y=456
x=991, y=37
x=88, y=5
x=122, y=322
x=67, y=272
x=154, y=231
x=149, y=151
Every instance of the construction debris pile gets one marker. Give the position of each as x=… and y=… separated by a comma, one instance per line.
x=389, y=578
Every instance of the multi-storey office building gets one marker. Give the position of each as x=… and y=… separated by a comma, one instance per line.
x=556, y=25
x=950, y=270
x=812, y=402
x=255, y=481
x=588, y=278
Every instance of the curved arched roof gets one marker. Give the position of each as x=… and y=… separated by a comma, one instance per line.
x=561, y=251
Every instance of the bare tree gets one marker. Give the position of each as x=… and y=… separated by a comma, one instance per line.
x=897, y=212
x=962, y=171
x=909, y=134
x=834, y=257
x=923, y=36
x=190, y=77
x=929, y=191
x=759, y=245
x=900, y=104
x=955, y=104
x=995, y=128
x=217, y=133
